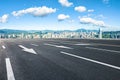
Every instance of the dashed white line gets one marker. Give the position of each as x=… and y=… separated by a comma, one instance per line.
x=91, y=60
x=34, y=44
x=108, y=45
x=10, y=74
x=82, y=44
x=3, y=47
x=103, y=49
x=58, y=46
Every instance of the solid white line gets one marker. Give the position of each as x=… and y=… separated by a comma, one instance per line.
x=10, y=74
x=3, y=47
x=34, y=44
x=103, y=49
x=58, y=46
x=91, y=60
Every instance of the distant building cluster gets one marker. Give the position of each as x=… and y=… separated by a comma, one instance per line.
x=20, y=36
x=51, y=35
x=111, y=34
x=63, y=34
x=70, y=35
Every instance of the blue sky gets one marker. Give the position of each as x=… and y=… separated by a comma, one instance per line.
x=59, y=14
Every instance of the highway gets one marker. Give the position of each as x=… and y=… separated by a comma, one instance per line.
x=59, y=59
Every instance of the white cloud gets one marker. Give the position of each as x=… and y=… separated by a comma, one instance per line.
x=62, y=17
x=88, y=20
x=80, y=9
x=65, y=3
x=91, y=10
x=101, y=16
x=106, y=1
x=4, y=18
x=35, y=11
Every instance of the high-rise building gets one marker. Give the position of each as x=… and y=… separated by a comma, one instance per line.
x=100, y=33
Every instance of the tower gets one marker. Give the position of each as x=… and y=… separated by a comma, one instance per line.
x=100, y=33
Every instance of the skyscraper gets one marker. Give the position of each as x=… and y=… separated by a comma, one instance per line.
x=100, y=33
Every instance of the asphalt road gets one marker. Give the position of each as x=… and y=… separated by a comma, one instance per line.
x=59, y=59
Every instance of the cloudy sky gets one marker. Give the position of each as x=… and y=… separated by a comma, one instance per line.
x=59, y=14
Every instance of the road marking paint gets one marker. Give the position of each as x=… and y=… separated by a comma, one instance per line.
x=59, y=41
x=82, y=44
x=58, y=46
x=3, y=47
x=64, y=47
x=34, y=44
x=10, y=74
x=91, y=60
x=103, y=49
x=108, y=45
x=29, y=50
x=22, y=46
x=91, y=43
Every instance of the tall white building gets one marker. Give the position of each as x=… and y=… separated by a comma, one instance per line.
x=100, y=33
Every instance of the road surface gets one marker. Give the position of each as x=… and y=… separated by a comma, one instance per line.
x=59, y=59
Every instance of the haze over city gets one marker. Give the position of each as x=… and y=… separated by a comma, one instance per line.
x=60, y=14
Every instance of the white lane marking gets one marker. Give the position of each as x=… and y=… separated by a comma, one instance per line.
x=58, y=46
x=34, y=44
x=59, y=41
x=10, y=74
x=3, y=47
x=91, y=60
x=82, y=44
x=103, y=49
x=107, y=45
x=30, y=50
x=70, y=42
x=64, y=47
x=91, y=43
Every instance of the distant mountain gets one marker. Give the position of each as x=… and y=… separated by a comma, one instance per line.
x=85, y=30
x=11, y=31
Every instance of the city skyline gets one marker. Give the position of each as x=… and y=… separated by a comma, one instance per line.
x=59, y=14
